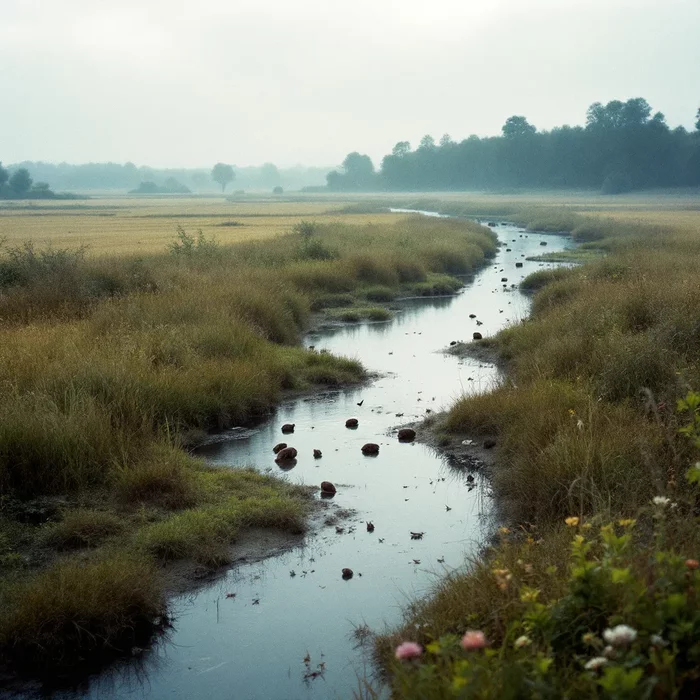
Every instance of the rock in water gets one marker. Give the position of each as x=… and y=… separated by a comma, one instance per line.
x=352, y=423
x=318, y=454
x=370, y=448
x=407, y=435
x=347, y=574
x=327, y=487
x=477, y=336
x=288, y=427
x=279, y=446
x=286, y=453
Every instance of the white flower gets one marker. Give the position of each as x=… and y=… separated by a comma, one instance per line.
x=521, y=642
x=595, y=663
x=620, y=635
x=657, y=640
x=609, y=652
x=661, y=501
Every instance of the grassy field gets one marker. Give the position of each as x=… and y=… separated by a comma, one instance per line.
x=110, y=364
x=591, y=589
x=132, y=226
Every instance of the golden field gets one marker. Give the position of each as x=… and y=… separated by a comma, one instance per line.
x=134, y=226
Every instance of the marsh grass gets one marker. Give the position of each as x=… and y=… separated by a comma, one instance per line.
x=585, y=422
x=109, y=366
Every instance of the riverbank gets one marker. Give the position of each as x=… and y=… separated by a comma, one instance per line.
x=111, y=365
x=595, y=472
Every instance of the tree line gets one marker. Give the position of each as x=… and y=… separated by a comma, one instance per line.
x=623, y=146
x=19, y=184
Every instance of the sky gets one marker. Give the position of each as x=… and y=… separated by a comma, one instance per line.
x=188, y=84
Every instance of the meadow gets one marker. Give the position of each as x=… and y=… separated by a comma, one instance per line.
x=114, y=361
x=590, y=588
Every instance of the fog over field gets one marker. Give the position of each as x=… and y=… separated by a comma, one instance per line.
x=307, y=81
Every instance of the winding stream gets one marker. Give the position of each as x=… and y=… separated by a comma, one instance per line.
x=253, y=645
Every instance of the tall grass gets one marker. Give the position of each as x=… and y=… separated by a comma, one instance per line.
x=585, y=423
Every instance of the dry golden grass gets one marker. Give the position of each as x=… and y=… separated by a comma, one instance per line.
x=134, y=226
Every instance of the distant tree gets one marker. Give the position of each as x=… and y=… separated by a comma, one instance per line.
x=446, y=140
x=516, y=127
x=20, y=181
x=174, y=186
x=223, y=174
x=403, y=148
x=616, y=183
x=427, y=142
x=277, y=190
x=4, y=175
x=40, y=187
x=269, y=175
x=697, y=118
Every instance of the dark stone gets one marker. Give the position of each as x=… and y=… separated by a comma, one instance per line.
x=352, y=423
x=347, y=574
x=488, y=444
x=492, y=223
x=279, y=446
x=504, y=279
x=453, y=342
x=318, y=454
x=507, y=250
x=327, y=488
x=407, y=435
x=518, y=264
x=472, y=315
x=477, y=336
x=286, y=454
x=370, y=448
x=370, y=526
x=543, y=242
x=288, y=427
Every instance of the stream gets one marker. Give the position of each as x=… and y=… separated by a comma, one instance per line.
x=295, y=629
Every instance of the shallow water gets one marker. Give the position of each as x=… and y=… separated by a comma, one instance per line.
x=253, y=645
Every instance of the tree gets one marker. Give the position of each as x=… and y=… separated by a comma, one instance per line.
x=697, y=117
x=427, y=142
x=4, y=176
x=223, y=174
x=403, y=148
x=269, y=175
x=20, y=181
x=516, y=127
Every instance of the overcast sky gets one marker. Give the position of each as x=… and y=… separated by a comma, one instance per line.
x=184, y=83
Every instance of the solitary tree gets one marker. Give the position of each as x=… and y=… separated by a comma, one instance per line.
x=20, y=181
x=223, y=174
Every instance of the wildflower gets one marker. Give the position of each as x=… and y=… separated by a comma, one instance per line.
x=589, y=638
x=504, y=530
x=692, y=563
x=473, y=639
x=595, y=663
x=621, y=635
x=529, y=595
x=657, y=640
x=572, y=521
x=521, y=642
x=661, y=501
x=408, y=650
x=609, y=652
x=572, y=412
x=628, y=522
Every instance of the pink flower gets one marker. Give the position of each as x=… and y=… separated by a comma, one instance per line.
x=473, y=639
x=408, y=650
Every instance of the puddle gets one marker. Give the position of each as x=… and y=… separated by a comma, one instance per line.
x=294, y=616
